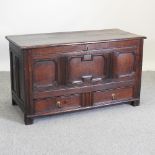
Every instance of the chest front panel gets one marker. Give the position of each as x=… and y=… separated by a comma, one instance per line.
x=84, y=66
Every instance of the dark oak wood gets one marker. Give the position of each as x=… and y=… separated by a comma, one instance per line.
x=66, y=38
x=13, y=102
x=70, y=71
x=135, y=103
x=28, y=120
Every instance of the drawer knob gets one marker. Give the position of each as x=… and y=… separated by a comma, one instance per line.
x=113, y=96
x=58, y=104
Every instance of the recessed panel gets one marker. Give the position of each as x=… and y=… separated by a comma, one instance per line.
x=124, y=64
x=87, y=65
x=44, y=73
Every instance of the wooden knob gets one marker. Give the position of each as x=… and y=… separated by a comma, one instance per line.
x=113, y=96
x=58, y=103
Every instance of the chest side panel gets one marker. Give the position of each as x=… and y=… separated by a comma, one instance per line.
x=17, y=75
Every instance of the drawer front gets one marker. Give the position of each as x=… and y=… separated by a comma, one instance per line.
x=77, y=101
x=57, y=104
x=112, y=95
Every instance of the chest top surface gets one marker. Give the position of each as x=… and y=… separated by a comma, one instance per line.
x=66, y=38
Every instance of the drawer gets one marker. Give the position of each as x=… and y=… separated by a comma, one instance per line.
x=112, y=95
x=57, y=103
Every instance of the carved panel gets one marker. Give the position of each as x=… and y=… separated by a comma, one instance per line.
x=124, y=64
x=84, y=68
x=44, y=73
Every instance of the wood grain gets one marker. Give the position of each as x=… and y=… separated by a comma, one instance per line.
x=47, y=39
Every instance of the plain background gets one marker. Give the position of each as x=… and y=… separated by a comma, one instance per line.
x=43, y=16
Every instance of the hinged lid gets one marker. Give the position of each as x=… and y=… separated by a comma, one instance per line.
x=65, y=38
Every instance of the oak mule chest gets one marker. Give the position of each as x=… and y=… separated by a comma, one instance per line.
x=69, y=71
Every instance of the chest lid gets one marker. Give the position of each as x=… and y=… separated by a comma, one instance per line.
x=69, y=38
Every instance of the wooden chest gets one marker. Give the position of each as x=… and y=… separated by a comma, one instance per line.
x=69, y=71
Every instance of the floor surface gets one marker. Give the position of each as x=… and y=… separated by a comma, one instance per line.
x=116, y=130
